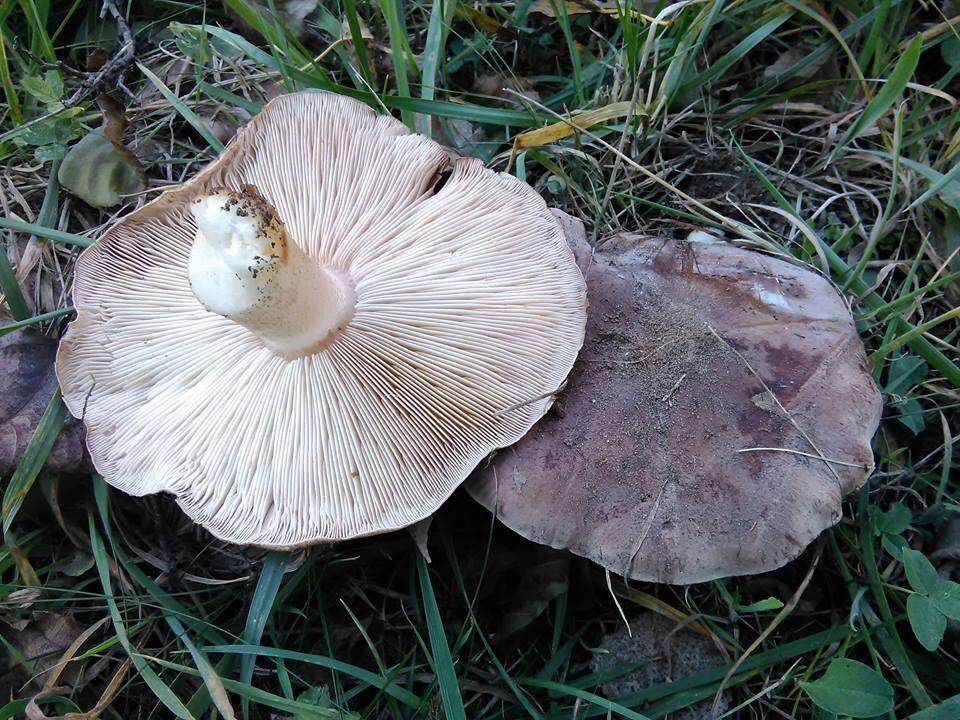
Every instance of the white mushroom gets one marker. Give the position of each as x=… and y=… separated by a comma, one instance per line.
x=311, y=340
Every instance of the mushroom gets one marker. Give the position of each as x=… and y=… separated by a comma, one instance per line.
x=321, y=334
x=719, y=411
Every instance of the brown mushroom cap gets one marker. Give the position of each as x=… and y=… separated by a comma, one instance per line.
x=666, y=458
x=466, y=312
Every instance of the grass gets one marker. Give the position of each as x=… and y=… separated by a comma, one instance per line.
x=827, y=132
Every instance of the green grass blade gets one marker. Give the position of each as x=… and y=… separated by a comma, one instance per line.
x=212, y=681
x=892, y=89
x=261, y=607
x=726, y=61
x=395, y=28
x=225, y=96
x=35, y=320
x=365, y=676
x=356, y=37
x=262, y=697
x=950, y=177
x=162, y=691
x=443, y=662
x=181, y=107
x=40, y=43
x=433, y=50
x=563, y=19
x=919, y=344
x=949, y=709
x=609, y=705
x=45, y=232
x=12, y=294
x=34, y=456
x=9, y=91
x=438, y=108
x=501, y=670
x=8, y=282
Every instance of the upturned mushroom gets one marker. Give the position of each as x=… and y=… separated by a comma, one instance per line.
x=719, y=411
x=315, y=338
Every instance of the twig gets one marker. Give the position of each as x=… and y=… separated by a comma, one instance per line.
x=108, y=75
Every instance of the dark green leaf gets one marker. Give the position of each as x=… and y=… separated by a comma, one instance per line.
x=894, y=545
x=851, y=688
x=946, y=598
x=895, y=520
x=911, y=415
x=47, y=89
x=927, y=622
x=949, y=709
x=100, y=173
x=920, y=572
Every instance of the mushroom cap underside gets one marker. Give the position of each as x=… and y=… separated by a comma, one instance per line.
x=469, y=313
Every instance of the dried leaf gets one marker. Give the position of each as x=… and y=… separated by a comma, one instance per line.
x=420, y=532
x=99, y=172
x=27, y=381
x=585, y=120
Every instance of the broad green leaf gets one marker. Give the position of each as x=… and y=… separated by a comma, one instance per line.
x=920, y=572
x=47, y=89
x=57, y=130
x=894, y=545
x=911, y=415
x=946, y=598
x=950, y=51
x=888, y=94
x=771, y=603
x=100, y=173
x=949, y=709
x=927, y=622
x=897, y=518
x=851, y=688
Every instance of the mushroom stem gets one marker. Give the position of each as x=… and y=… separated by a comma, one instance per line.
x=243, y=267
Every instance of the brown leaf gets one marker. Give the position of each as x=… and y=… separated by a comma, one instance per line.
x=669, y=456
x=43, y=641
x=27, y=382
x=420, y=532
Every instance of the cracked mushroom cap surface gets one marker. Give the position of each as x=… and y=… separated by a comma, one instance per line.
x=313, y=339
x=719, y=411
